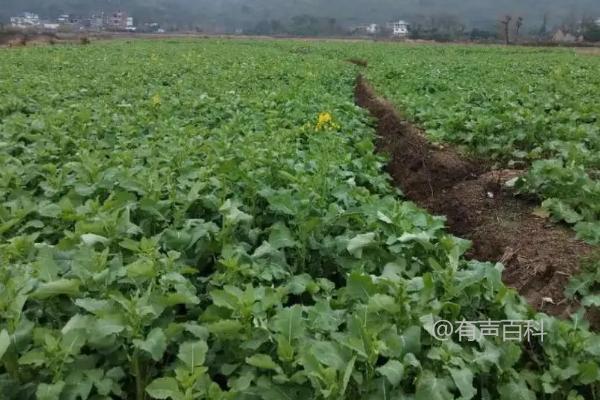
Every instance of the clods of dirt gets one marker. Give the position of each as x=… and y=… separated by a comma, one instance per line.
x=358, y=61
x=539, y=256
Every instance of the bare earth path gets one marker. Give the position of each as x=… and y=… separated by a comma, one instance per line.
x=539, y=256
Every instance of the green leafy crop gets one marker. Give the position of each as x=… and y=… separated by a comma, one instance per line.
x=517, y=107
x=174, y=226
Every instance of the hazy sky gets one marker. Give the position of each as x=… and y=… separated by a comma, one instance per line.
x=243, y=13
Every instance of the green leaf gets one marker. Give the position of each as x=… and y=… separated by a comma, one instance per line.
x=322, y=317
x=281, y=201
x=93, y=306
x=430, y=387
x=193, y=353
x=382, y=217
x=393, y=370
x=589, y=372
x=73, y=341
x=91, y=239
x=421, y=237
x=411, y=340
x=225, y=327
x=359, y=242
x=142, y=268
x=360, y=286
x=592, y=345
x=68, y=287
x=4, y=342
x=591, y=300
x=562, y=210
x=49, y=392
x=578, y=284
x=588, y=231
x=33, y=357
x=298, y=284
x=49, y=210
x=155, y=344
x=164, y=388
x=463, y=379
x=228, y=298
x=233, y=215
x=104, y=327
x=348, y=374
x=329, y=354
x=515, y=390
x=242, y=382
x=289, y=323
x=382, y=303
x=263, y=361
x=428, y=323
x=281, y=237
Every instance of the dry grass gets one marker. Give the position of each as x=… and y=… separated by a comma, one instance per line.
x=593, y=51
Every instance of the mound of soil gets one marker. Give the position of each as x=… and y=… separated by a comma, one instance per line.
x=19, y=39
x=539, y=257
x=358, y=61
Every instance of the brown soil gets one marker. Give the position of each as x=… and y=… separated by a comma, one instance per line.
x=592, y=51
x=539, y=257
x=358, y=61
x=17, y=39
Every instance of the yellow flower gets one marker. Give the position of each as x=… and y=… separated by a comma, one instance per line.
x=156, y=100
x=325, y=120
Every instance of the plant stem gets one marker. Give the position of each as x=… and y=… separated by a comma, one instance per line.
x=139, y=379
x=11, y=364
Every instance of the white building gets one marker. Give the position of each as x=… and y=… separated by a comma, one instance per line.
x=64, y=19
x=372, y=29
x=561, y=36
x=50, y=26
x=598, y=22
x=117, y=21
x=130, y=27
x=25, y=20
x=399, y=28
x=97, y=22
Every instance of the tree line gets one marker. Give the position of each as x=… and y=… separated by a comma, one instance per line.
x=441, y=27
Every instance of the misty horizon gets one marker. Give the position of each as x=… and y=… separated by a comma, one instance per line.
x=244, y=14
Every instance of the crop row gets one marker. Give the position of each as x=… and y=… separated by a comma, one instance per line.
x=520, y=108
x=209, y=220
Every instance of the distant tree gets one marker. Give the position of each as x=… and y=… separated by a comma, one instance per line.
x=309, y=25
x=440, y=27
x=479, y=34
x=449, y=26
x=268, y=27
x=591, y=31
x=300, y=25
x=570, y=23
x=544, y=27
x=506, y=28
x=518, y=25
x=331, y=24
x=384, y=31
